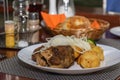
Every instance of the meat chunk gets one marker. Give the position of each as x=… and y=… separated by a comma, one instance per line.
x=59, y=57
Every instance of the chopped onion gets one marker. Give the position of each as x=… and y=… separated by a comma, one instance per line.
x=72, y=41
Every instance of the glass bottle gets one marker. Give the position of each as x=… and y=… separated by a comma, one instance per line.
x=33, y=26
x=20, y=9
x=24, y=34
x=66, y=7
x=52, y=7
x=36, y=6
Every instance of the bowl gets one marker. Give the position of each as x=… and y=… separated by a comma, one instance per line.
x=96, y=34
x=90, y=33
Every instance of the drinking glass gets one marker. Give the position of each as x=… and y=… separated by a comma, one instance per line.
x=66, y=7
x=9, y=33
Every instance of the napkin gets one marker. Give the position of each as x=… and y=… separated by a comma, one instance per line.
x=53, y=20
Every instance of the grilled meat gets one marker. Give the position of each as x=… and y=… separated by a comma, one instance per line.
x=59, y=57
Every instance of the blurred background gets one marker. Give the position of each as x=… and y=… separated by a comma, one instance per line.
x=78, y=3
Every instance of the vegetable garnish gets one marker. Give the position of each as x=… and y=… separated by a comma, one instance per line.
x=91, y=41
x=95, y=24
x=60, y=40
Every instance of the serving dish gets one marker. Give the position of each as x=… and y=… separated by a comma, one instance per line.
x=94, y=34
x=112, y=57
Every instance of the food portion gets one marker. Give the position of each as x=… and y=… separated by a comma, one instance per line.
x=91, y=58
x=80, y=26
x=76, y=22
x=71, y=44
x=76, y=25
x=59, y=57
x=62, y=51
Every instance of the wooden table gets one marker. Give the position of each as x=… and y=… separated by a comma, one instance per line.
x=113, y=19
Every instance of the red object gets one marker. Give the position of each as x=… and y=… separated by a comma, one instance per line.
x=36, y=8
x=2, y=8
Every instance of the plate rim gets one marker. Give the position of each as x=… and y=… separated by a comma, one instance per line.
x=86, y=70
x=112, y=31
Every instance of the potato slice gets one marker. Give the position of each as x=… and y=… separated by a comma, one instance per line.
x=99, y=52
x=89, y=60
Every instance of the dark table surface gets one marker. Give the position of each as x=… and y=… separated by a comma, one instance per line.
x=14, y=66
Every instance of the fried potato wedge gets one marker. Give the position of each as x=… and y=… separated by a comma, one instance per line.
x=89, y=60
x=99, y=52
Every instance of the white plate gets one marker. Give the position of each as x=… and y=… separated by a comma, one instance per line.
x=115, y=30
x=112, y=57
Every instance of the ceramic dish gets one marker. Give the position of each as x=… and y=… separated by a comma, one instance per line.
x=115, y=31
x=112, y=57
